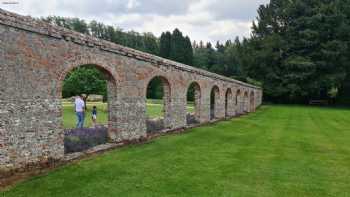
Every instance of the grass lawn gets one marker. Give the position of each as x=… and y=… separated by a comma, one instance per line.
x=154, y=110
x=278, y=151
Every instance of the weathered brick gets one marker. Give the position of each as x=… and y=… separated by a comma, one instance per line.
x=35, y=57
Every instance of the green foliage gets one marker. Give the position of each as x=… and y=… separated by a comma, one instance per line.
x=84, y=80
x=146, y=42
x=224, y=59
x=253, y=82
x=155, y=89
x=188, y=51
x=150, y=43
x=191, y=92
x=299, y=49
x=75, y=24
x=344, y=92
x=176, y=47
x=200, y=56
x=165, y=45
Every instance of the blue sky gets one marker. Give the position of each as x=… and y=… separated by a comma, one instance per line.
x=207, y=20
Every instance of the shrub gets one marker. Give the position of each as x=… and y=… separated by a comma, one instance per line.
x=77, y=140
x=191, y=119
x=154, y=125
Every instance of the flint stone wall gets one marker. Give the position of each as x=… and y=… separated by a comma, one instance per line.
x=34, y=60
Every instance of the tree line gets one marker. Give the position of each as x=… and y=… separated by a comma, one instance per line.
x=146, y=42
x=298, y=50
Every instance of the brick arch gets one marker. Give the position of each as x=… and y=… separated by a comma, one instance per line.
x=238, y=101
x=214, y=101
x=156, y=74
x=228, y=102
x=246, y=94
x=165, y=82
x=238, y=94
x=83, y=61
x=111, y=79
x=252, y=101
x=167, y=93
x=246, y=102
x=197, y=98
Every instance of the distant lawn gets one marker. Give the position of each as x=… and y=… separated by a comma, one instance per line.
x=154, y=110
x=278, y=151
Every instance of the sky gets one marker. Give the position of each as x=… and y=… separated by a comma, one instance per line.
x=207, y=20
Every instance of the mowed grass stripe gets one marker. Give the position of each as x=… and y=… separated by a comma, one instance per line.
x=336, y=153
x=278, y=151
x=294, y=171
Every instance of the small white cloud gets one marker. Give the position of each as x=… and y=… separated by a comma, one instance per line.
x=132, y=4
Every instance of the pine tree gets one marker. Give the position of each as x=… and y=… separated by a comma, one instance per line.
x=188, y=50
x=150, y=44
x=165, y=45
x=177, y=52
x=298, y=50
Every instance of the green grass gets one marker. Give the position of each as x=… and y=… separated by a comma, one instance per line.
x=69, y=117
x=278, y=151
x=154, y=110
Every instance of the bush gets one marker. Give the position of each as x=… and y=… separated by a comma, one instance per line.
x=191, y=119
x=77, y=140
x=154, y=125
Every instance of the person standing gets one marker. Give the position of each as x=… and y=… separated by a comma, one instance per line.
x=79, y=110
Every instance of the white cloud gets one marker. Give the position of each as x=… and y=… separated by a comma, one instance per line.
x=237, y=9
x=207, y=20
x=132, y=4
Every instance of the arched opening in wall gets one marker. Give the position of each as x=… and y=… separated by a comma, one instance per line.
x=158, y=103
x=193, y=103
x=214, y=102
x=85, y=109
x=228, y=101
x=238, y=102
x=246, y=102
x=252, y=102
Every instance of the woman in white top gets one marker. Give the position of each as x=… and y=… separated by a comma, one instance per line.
x=79, y=110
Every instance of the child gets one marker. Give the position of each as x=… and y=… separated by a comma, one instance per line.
x=94, y=116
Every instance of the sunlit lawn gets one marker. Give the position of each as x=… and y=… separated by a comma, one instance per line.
x=154, y=110
x=278, y=151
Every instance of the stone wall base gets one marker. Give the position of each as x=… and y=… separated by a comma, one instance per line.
x=13, y=176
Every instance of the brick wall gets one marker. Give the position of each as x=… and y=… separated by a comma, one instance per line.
x=35, y=57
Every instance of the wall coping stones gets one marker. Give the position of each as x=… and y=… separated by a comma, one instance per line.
x=33, y=25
